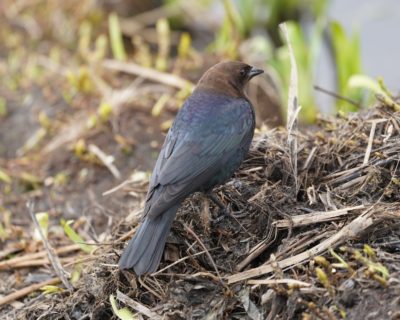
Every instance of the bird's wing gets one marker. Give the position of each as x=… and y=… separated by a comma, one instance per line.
x=194, y=152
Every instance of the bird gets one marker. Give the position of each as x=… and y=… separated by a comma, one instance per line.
x=205, y=145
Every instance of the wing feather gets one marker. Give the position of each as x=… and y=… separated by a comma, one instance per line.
x=195, y=150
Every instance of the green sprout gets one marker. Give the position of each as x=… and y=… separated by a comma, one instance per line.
x=75, y=237
x=122, y=313
x=164, y=44
x=347, y=55
x=117, y=43
x=105, y=111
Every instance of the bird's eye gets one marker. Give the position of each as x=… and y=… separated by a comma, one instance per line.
x=243, y=72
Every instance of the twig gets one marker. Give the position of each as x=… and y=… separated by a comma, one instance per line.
x=302, y=243
x=349, y=231
x=309, y=158
x=54, y=260
x=39, y=262
x=142, y=282
x=193, y=275
x=337, y=96
x=188, y=229
x=280, y=281
x=179, y=261
x=7, y=251
x=67, y=261
x=148, y=73
x=127, y=235
x=106, y=159
x=33, y=256
x=371, y=139
x=116, y=188
x=86, y=259
x=315, y=217
x=27, y=290
x=256, y=251
x=137, y=306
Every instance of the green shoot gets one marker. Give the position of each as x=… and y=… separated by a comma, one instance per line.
x=123, y=313
x=347, y=54
x=117, y=43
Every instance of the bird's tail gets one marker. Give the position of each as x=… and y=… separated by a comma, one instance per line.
x=145, y=249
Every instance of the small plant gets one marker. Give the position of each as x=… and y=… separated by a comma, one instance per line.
x=117, y=43
x=164, y=44
x=3, y=107
x=74, y=236
x=231, y=32
x=105, y=111
x=378, y=88
x=121, y=313
x=80, y=81
x=347, y=55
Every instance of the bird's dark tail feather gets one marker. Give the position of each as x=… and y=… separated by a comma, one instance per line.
x=145, y=249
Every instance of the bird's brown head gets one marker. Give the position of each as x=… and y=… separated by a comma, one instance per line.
x=228, y=78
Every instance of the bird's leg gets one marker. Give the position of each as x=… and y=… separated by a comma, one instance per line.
x=219, y=204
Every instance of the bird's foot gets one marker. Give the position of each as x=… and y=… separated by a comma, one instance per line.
x=223, y=213
x=216, y=201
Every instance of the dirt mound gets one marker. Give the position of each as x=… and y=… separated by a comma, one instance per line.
x=330, y=251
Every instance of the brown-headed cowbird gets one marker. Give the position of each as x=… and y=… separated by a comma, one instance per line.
x=207, y=142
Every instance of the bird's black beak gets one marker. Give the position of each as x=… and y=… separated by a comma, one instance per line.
x=255, y=72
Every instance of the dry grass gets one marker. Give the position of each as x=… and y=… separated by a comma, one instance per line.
x=264, y=261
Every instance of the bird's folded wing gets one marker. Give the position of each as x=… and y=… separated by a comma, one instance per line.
x=191, y=157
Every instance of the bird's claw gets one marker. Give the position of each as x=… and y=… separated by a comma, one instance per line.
x=223, y=213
